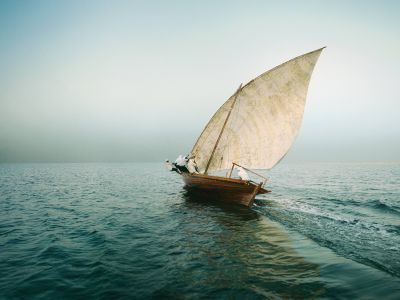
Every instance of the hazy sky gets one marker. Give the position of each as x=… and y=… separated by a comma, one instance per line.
x=138, y=80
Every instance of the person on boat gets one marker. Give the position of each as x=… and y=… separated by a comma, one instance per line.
x=192, y=166
x=181, y=163
x=242, y=174
x=171, y=167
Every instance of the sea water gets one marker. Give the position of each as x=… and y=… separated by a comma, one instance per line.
x=131, y=231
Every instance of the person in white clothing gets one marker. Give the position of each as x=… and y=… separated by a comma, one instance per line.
x=181, y=163
x=192, y=166
x=179, y=160
x=242, y=174
x=171, y=167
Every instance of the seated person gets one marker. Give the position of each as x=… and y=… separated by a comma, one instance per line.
x=192, y=166
x=171, y=167
x=242, y=174
x=181, y=162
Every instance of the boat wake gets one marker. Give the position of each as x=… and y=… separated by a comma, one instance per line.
x=360, y=236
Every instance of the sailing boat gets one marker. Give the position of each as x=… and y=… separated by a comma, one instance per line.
x=253, y=129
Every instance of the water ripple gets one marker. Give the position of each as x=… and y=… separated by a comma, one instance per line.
x=123, y=231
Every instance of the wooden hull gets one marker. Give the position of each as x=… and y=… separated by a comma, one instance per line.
x=224, y=189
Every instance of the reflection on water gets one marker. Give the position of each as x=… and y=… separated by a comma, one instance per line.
x=249, y=255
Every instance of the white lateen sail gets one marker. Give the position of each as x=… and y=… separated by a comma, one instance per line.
x=264, y=121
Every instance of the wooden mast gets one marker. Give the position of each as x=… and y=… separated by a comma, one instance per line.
x=222, y=130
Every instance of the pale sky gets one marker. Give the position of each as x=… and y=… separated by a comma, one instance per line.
x=138, y=80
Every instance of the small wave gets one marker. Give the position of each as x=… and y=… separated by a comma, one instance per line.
x=378, y=204
x=393, y=229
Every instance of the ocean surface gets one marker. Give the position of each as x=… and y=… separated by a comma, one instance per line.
x=131, y=231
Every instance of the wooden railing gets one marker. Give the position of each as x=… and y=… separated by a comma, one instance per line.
x=259, y=175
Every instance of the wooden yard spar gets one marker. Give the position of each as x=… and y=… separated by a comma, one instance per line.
x=223, y=127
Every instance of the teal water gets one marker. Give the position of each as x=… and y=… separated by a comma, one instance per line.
x=130, y=231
